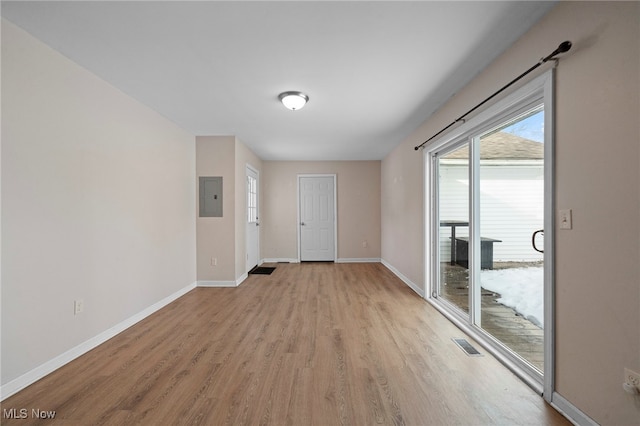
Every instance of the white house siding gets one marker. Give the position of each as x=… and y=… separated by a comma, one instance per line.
x=511, y=207
x=454, y=203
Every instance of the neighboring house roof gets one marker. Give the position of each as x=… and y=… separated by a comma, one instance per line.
x=504, y=146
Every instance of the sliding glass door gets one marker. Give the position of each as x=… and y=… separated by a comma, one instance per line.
x=510, y=202
x=453, y=216
x=489, y=210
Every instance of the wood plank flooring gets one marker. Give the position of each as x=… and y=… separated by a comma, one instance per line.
x=310, y=344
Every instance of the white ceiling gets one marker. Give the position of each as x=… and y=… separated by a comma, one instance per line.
x=374, y=71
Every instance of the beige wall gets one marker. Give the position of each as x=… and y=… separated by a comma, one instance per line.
x=224, y=238
x=598, y=163
x=97, y=204
x=358, y=207
x=402, y=227
x=216, y=235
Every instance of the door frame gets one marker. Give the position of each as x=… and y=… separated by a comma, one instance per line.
x=541, y=87
x=250, y=168
x=335, y=210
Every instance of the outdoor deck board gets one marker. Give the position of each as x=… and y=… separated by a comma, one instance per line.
x=502, y=322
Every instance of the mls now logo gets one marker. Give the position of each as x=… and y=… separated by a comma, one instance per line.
x=23, y=413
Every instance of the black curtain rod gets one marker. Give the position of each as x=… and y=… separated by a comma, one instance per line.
x=562, y=48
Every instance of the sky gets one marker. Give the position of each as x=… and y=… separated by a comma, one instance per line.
x=530, y=128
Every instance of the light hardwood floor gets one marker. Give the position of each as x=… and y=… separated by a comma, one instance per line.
x=310, y=344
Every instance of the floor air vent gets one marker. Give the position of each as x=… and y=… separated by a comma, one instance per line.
x=467, y=347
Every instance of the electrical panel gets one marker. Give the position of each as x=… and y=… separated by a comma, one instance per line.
x=210, y=189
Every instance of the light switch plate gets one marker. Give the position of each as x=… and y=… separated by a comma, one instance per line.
x=565, y=219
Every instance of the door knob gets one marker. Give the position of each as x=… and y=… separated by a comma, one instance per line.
x=302, y=223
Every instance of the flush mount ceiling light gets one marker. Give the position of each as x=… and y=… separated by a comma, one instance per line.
x=293, y=100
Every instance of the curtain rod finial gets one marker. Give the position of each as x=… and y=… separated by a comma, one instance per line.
x=564, y=46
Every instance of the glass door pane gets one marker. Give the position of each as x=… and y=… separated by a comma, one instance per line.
x=453, y=235
x=511, y=210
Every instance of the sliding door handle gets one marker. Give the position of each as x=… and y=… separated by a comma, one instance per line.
x=533, y=240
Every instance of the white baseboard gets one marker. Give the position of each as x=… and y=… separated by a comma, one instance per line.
x=358, y=260
x=570, y=411
x=236, y=283
x=50, y=366
x=280, y=260
x=339, y=260
x=404, y=279
x=217, y=284
x=242, y=278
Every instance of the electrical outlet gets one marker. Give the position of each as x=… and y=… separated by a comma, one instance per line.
x=632, y=377
x=631, y=382
x=214, y=261
x=78, y=306
x=365, y=244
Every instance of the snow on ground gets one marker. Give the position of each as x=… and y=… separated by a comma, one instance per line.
x=520, y=288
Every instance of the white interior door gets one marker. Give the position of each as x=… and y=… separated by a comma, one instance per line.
x=253, y=237
x=317, y=218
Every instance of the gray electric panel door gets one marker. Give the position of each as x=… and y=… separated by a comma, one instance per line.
x=211, y=196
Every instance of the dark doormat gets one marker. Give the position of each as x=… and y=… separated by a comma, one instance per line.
x=262, y=270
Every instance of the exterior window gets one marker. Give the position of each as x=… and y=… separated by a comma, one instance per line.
x=252, y=200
